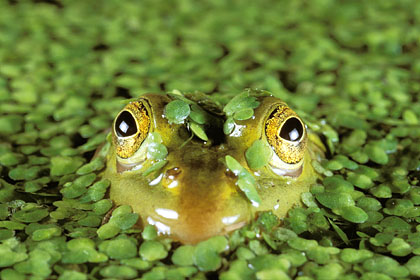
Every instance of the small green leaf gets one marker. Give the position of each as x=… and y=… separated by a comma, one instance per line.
x=413, y=266
x=46, y=233
x=351, y=255
x=334, y=200
x=107, y=231
x=387, y=265
x=399, y=247
x=12, y=225
x=177, y=111
x=10, y=257
x=353, y=214
x=31, y=215
x=154, y=137
x=197, y=114
x=151, y=250
x=308, y=199
x=120, y=248
x=149, y=232
x=239, y=103
x=156, y=151
x=228, y=126
x=198, y=131
x=136, y=263
x=206, y=258
x=217, y=243
x=64, y=165
x=118, y=272
x=102, y=206
x=302, y=244
x=243, y=114
x=245, y=182
x=360, y=180
x=72, y=275
x=183, y=255
x=177, y=94
x=259, y=154
x=6, y=234
x=267, y=220
x=247, y=185
x=376, y=153
x=95, y=164
x=340, y=232
x=233, y=165
x=125, y=221
x=410, y=117
x=156, y=166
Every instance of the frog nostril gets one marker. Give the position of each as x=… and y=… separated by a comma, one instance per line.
x=230, y=174
x=173, y=173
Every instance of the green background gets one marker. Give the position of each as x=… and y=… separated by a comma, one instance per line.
x=349, y=68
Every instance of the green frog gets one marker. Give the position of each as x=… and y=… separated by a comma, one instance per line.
x=189, y=191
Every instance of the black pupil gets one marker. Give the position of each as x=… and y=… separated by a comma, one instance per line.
x=292, y=130
x=125, y=125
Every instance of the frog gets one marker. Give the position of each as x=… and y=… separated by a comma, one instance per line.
x=191, y=194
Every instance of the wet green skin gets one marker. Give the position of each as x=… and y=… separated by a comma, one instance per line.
x=202, y=198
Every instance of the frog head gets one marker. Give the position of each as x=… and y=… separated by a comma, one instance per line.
x=211, y=173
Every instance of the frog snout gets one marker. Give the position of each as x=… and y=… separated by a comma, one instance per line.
x=208, y=203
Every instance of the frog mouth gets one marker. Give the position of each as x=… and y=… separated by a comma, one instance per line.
x=289, y=173
x=122, y=167
x=171, y=223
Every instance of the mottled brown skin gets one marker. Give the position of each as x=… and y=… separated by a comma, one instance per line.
x=194, y=196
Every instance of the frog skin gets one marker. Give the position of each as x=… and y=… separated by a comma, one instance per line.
x=195, y=196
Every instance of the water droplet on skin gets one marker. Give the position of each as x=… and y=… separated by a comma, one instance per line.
x=157, y=180
x=161, y=227
x=167, y=213
x=230, y=220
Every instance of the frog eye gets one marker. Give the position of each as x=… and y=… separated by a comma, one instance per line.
x=286, y=134
x=292, y=129
x=125, y=125
x=131, y=127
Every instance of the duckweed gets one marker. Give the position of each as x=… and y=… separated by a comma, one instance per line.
x=155, y=149
x=206, y=254
x=241, y=107
x=350, y=255
x=349, y=69
x=353, y=214
x=119, y=272
x=258, y=155
x=10, y=257
x=413, y=266
x=30, y=214
x=177, y=111
x=385, y=265
x=149, y=232
x=245, y=181
x=240, y=103
x=152, y=250
x=121, y=248
x=72, y=275
x=64, y=165
x=45, y=233
x=121, y=219
x=183, y=255
x=198, y=131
